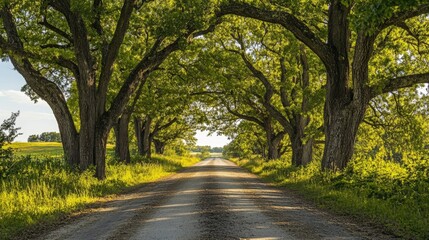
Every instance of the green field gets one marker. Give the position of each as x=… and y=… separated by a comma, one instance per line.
x=37, y=187
x=38, y=148
x=50, y=149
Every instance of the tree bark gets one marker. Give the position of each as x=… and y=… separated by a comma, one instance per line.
x=273, y=151
x=121, y=128
x=147, y=137
x=138, y=124
x=302, y=153
x=159, y=146
x=101, y=134
x=88, y=118
x=341, y=128
x=273, y=140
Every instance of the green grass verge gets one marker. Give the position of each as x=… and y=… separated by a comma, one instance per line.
x=387, y=194
x=41, y=189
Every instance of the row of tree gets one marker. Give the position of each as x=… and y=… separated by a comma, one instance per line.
x=45, y=137
x=207, y=149
x=99, y=64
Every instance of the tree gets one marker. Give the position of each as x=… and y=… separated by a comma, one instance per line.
x=182, y=130
x=93, y=44
x=165, y=111
x=45, y=137
x=347, y=39
x=8, y=133
x=271, y=77
x=247, y=140
x=33, y=138
x=121, y=128
x=284, y=70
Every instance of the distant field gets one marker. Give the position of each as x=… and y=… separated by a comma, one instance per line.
x=52, y=149
x=211, y=154
x=215, y=154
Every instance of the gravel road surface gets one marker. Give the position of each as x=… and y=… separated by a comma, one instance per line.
x=214, y=199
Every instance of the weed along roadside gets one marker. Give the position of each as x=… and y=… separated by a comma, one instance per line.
x=375, y=192
x=37, y=190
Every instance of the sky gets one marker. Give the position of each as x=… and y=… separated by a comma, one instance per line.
x=35, y=118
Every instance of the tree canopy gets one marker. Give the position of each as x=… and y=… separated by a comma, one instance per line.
x=275, y=76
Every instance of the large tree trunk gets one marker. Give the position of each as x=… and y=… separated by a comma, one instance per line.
x=273, y=144
x=341, y=127
x=101, y=135
x=143, y=134
x=121, y=128
x=307, y=155
x=343, y=110
x=70, y=141
x=147, y=138
x=302, y=153
x=138, y=124
x=50, y=92
x=87, y=133
x=273, y=151
x=159, y=146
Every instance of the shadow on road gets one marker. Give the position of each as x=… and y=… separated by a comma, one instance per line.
x=214, y=199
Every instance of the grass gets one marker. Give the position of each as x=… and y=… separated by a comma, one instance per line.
x=390, y=195
x=48, y=149
x=52, y=149
x=35, y=189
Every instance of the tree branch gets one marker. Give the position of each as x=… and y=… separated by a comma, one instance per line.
x=56, y=46
x=244, y=117
x=149, y=63
x=402, y=16
x=15, y=51
x=110, y=52
x=96, y=9
x=298, y=28
x=206, y=92
x=44, y=88
x=58, y=31
x=79, y=36
x=399, y=82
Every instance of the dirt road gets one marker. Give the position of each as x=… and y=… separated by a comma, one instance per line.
x=214, y=199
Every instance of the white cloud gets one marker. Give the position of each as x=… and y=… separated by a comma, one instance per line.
x=19, y=97
x=13, y=100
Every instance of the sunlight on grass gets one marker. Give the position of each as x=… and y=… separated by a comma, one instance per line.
x=35, y=189
x=37, y=148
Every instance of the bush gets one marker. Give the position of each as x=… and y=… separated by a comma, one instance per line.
x=8, y=133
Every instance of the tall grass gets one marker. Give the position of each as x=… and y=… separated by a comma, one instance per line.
x=394, y=196
x=35, y=189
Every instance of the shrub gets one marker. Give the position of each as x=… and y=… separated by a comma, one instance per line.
x=8, y=133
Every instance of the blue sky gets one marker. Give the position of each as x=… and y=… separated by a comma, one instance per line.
x=35, y=118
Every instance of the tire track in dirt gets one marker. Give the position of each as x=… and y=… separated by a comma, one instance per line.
x=215, y=219
x=214, y=199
